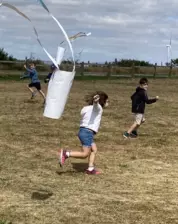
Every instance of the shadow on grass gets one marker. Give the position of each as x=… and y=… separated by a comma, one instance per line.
x=80, y=167
x=77, y=168
x=63, y=172
x=31, y=101
x=41, y=195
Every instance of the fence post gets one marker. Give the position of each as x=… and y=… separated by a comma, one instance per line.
x=133, y=71
x=155, y=67
x=82, y=67
x=170, y=71
x=117, y=70
x=109, y=70
x=26, y=60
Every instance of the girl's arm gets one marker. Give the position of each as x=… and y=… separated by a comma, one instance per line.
x=96, y=104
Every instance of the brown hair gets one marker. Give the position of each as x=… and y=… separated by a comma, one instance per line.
x=143, y=81
x=32, y=64
x=102, y=100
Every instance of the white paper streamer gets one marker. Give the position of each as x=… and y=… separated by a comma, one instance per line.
x=60, y=55
x=35, y=31
x=62, y=29
x=58, y=90
x=61, y=81
x=74, y=37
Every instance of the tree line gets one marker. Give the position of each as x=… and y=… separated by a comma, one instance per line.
x=4, y=56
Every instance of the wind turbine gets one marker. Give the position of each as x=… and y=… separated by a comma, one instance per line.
x=169, y=51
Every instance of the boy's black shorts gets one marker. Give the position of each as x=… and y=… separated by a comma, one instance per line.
x=37, y=85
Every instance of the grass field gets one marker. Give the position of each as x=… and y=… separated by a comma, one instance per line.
x=139, y=180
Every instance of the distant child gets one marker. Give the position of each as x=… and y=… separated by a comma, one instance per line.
x=52, y=67
x=89, y=125
x=35, y=82
x=139, y=98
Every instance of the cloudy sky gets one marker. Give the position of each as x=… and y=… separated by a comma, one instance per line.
x=138, y=29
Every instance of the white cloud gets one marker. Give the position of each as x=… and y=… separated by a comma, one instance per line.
x=120, y=28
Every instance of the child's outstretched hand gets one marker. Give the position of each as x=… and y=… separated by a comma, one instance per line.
x=96, y=98
x=25, y=66
x=157, y=97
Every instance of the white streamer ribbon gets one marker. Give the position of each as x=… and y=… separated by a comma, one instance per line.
x=36, y=33
x=62, y=29
x=80, y=34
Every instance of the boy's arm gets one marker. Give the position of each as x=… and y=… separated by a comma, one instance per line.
x=48, y=78
x=24, y=76
x=149, y=101
x=132, y=96
x=28, y=74
x=28, y=69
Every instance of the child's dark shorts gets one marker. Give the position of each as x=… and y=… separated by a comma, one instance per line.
x=37, y=85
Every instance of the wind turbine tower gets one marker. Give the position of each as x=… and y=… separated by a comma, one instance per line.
x=169, y=52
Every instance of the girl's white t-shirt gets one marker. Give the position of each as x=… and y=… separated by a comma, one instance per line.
x=91, y=116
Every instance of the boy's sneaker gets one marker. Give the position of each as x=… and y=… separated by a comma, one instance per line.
x=93, y=172
x=62, y=157
x=33, y=95
x=134, y=134
x=126, y=135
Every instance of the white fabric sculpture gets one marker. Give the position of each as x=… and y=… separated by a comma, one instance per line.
x=58, y=90
x=61, y=81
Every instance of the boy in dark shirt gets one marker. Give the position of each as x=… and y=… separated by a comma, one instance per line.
x=139, y=99
x=47, y=79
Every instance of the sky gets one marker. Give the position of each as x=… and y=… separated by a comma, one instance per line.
x=121, y=29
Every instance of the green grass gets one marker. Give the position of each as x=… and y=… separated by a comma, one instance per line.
x=16, y=77
x=5, y=222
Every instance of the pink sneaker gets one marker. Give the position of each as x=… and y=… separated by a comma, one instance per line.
x=62, y=157
x=93, y=172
